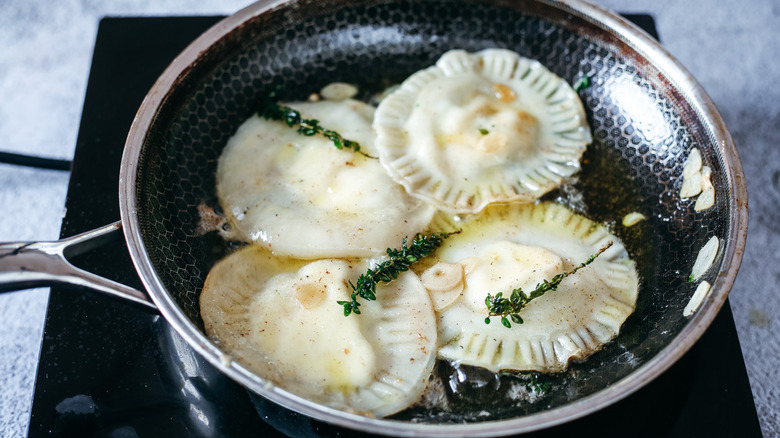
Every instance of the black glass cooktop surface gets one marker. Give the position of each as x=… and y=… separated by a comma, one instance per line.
x=111, y=369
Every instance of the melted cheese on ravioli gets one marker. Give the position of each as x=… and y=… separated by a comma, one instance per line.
x=481, y=128
x=280, y=318
x=507, y=247
x=301, y=197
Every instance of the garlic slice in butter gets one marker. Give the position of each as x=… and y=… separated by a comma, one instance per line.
x=288, y=328
x=705, y=258
x=481, y=128
x=691, y=184
x=698, y=297
x=521, y=245
x=706, y=199
x=633, y=218
x=444, y=282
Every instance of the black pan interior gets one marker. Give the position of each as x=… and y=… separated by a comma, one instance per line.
x=643, y=130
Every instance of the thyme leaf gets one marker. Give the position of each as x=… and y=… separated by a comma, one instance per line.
x=538, y=383
x=269, y=108
x=518, y=299
x=400, y=260
x=582, y=83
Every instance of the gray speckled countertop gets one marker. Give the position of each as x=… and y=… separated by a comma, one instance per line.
x=730, y=46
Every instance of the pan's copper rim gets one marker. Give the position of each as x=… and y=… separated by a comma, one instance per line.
x=631, y=35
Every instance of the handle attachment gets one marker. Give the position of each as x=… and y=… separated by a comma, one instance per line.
x=25, y=265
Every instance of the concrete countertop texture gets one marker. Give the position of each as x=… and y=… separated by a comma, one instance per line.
x=730, y=47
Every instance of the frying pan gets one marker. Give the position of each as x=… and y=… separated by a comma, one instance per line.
x=646, y=113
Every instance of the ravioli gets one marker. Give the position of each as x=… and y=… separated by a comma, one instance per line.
x=301, y=197
x=520, y=246
x=469, y=144
x=279, y=318
x=475, y=129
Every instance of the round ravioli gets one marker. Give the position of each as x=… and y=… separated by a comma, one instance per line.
x=288, y=328
x=481, y=128
x=302, y=197
x=522, y=245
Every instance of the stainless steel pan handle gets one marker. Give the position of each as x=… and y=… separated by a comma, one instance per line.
x=32, y=264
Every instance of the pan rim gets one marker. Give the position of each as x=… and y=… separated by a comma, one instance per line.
x=609, y=22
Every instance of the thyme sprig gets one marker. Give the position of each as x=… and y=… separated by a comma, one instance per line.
x=400, y=260
x=509, y=308
x=269, y=108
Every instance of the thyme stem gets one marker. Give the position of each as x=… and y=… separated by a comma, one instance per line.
x=269, y=108
x=400, y=260
x=510, y=307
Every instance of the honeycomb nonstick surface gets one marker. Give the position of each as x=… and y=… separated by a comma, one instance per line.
x=643, y=131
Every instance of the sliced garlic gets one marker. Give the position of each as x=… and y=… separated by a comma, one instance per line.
x=632, y=219
x=444, y=282
x=691, y=185
x=705, y=200
x=705, y=258
x=693, y=163
x=697, y=298
x=280, y=319
x=707, y=197
x=338, y=91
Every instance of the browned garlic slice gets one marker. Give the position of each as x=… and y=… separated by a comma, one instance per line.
x=279, y=318
x=301, y=197
x=481, y=128
x=521, y=245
